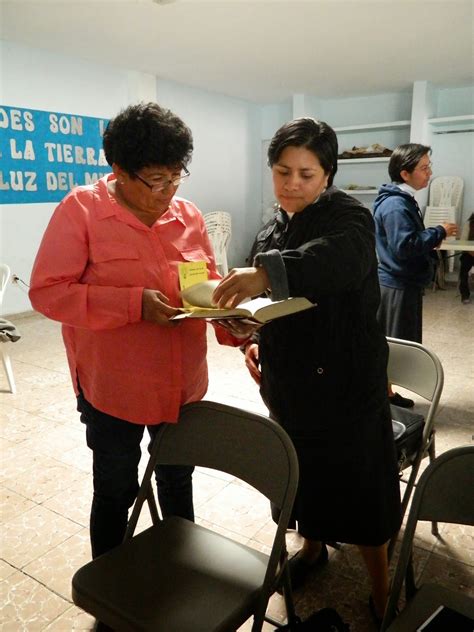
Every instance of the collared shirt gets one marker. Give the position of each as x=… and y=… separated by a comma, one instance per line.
x=411, y=191
x=407, y=188
x=92, y=266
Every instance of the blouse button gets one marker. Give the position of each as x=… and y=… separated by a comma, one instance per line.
x=319, y=370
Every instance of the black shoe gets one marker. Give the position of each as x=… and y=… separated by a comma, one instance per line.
x=300, y=569
x=403, y=402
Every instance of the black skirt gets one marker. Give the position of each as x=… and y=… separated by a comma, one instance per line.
x=400, y=312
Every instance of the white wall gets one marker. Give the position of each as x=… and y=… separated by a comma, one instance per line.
x=453, y=154
x=228, y=133
x=226, y=164
x=225, y=169
x=38, y=80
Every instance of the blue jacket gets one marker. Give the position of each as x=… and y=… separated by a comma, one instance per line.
x=404, y=245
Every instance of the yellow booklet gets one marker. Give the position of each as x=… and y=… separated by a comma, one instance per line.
x=258, y=310
x=191, y=273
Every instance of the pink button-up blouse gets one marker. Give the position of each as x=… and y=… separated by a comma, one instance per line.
x=94, y=261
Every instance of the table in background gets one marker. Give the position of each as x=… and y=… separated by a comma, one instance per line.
x=456, y=245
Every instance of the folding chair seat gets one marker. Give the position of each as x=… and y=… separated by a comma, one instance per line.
x=416, y=368
x=444, y=494
x=177, y=576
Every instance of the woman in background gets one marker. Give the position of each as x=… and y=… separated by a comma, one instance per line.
x=322, y=372
x=405, y=248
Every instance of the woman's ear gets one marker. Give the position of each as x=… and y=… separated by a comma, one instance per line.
x=119, y=172
x=404, y=175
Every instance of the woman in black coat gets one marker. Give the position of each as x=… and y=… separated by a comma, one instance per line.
x=322, y=372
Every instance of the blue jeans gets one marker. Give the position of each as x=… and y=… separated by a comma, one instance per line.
x=115, y=444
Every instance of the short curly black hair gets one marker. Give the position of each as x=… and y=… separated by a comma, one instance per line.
x=316, y=136
x=146, y=135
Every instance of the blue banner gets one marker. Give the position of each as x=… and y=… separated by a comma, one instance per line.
x=43, y=155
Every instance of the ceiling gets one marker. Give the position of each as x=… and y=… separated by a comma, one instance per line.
x=263, y=50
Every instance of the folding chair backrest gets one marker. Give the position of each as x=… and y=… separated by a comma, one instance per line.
x=413, y=366
x=446, y=493
x=443, y=493
x=247, y=445
x=416, y=368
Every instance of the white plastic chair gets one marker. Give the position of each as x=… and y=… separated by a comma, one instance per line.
x=219, y=229
x=434, y=216
x=446, y=192
x=5, y=275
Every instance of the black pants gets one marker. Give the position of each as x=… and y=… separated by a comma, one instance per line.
x=115, y=444
x=466, y=261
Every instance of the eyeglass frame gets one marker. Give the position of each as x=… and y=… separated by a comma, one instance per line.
x=156, y=188
x=425, y=168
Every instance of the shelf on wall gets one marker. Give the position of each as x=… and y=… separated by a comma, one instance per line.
x=346, y=161
x=447, y=124
x=373, y=127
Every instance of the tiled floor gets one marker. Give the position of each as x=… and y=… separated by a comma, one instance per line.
x=46, y=484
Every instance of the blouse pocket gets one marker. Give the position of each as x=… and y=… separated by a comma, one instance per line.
x=116, y=263
x=195, y=254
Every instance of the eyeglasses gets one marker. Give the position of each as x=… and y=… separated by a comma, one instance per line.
x=425, y=168
x=161, y=183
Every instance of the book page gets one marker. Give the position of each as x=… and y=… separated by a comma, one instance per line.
x=264, y=309
x=199, y=294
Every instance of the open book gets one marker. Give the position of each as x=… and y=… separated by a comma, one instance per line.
x=197, y=299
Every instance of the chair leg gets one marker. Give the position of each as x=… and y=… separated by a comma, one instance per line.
x=405, y=500
x=288, y=595
x=291, y=617
x=8, y=370
x=432, y=456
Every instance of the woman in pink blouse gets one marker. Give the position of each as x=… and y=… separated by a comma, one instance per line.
x=107, y=269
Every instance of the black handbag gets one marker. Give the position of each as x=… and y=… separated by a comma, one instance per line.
x=324, y=620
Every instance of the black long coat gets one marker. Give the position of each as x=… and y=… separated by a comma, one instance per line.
x=324, y=372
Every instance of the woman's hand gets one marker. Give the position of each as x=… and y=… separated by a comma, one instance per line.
x=239, y=327
x=451, y=230
x=155, y=308
x=240, y=284
x=252, y=362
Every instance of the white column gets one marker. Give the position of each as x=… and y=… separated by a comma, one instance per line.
x=421, y=109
